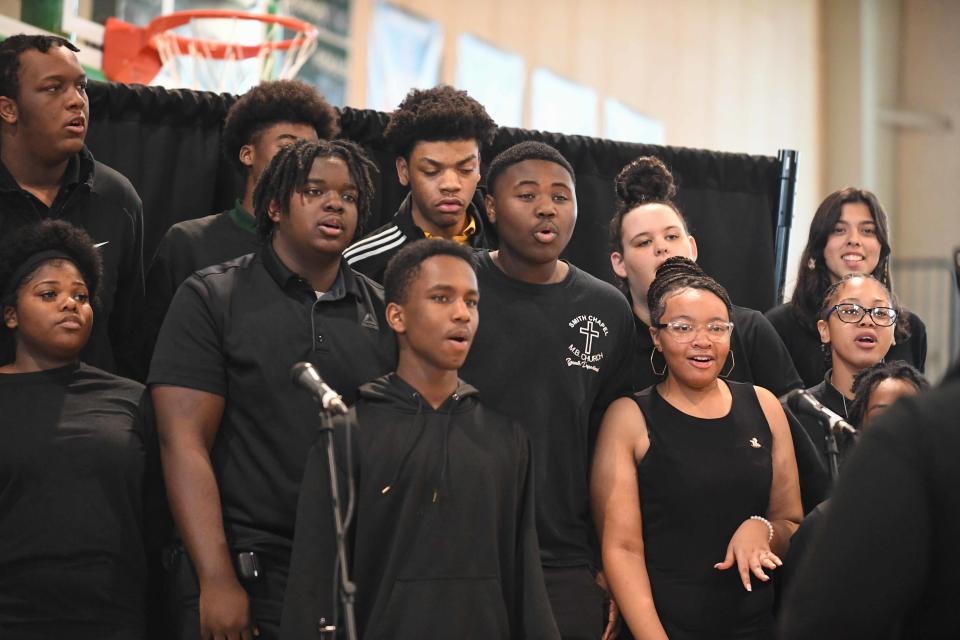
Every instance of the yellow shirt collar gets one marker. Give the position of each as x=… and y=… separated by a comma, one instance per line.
x=464, y=236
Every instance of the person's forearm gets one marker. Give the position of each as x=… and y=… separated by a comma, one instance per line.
x=195, y=505
x=783, y=530
x=626, y=573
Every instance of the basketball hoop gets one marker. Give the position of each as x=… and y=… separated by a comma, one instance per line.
x=135, y=54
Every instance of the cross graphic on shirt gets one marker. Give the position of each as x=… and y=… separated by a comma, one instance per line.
x=591, y=333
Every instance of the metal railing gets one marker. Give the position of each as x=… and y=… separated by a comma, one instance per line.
x=928, y=288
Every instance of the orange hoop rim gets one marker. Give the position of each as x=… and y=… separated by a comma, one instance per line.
x=221, y=50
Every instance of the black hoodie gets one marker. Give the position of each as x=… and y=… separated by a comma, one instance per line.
x=443, y=540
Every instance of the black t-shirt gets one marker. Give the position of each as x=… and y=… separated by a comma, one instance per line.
x=760, y=357
x=885, y=551
x=235, y=330
x=187, y=247
x=75, y=447
x=553, y=357
x=812, y=361
x=99, y=200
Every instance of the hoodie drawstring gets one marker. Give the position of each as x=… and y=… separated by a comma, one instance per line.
x=445, y=454
x=411, y=446
x=446, y=448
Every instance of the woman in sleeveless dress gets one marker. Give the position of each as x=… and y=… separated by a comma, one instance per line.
x=694, y=486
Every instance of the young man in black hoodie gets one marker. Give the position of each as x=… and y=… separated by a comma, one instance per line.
x=444, y=539
x=437, y=135
x=554, y=350
x=47, y=172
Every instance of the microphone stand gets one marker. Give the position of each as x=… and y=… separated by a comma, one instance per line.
x=833, y=451
x=347, y=589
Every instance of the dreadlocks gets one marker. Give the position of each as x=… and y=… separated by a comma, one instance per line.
x=290, y=168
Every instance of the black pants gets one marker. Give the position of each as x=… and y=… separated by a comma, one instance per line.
x=266, y=595
x=577, y=602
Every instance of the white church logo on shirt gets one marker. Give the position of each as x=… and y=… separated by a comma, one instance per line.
x=586, y=350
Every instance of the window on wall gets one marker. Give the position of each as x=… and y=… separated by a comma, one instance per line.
x=494, y=77
x=404, y=54
x=559, y=105
x=620, y=122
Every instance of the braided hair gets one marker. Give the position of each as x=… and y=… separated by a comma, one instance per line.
x=868, y=379
x=289, y=171
x=674, y=275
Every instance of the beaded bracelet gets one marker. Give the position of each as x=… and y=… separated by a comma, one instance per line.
x=769, y=526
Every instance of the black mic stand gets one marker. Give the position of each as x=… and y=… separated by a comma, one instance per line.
x=347, y=589
x=833, y=451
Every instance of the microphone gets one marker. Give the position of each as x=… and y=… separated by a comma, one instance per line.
x=800, y=401
x=304, y=375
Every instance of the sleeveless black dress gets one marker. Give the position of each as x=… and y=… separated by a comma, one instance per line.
x=699, y=480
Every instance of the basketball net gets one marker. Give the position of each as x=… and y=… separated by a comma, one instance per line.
x=176, y=51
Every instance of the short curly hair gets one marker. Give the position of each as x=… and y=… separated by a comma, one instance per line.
x=47, y=235
x=269, y=103
x=404, y=266
x=289, y=171
x=528, y=150
x=441, y=113
x=10, y=50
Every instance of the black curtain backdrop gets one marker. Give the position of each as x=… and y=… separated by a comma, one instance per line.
x=167, y=142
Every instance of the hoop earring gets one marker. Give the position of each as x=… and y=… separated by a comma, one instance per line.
x=733, y=363
x=652, y=366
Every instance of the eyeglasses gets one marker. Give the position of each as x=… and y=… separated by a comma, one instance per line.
x=852, y=313
x=684, y=332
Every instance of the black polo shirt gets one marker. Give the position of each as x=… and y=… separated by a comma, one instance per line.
x=187, y=247
x=235, y=330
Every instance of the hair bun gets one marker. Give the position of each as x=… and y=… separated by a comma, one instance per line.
x=646, y=179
